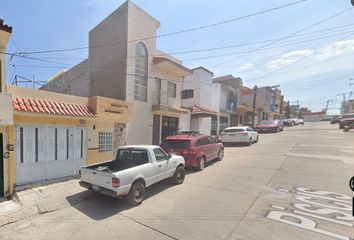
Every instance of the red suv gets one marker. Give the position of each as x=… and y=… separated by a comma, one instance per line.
x=197, y=149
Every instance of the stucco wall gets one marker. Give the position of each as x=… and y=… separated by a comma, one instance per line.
x=75, y=81
x=107, y=55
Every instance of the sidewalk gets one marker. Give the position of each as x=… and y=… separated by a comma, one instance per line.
x=40, y=200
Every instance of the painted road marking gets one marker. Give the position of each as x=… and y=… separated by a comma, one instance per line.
x=307, y=210
x=278, y=207
x=347, y=151
x=283, y=190
x=326, y=146
x=347, y=160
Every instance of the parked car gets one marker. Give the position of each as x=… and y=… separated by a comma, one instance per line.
x=296, y=121
x=134, y=169
x=270, y=126
x=239, y=135
x=288, y=122
x=336, y=119
x=301, y=121
x=197, y=149
x=346, y=119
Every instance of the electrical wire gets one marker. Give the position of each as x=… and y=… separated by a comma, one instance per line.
x=289, y=35
x=176, y=32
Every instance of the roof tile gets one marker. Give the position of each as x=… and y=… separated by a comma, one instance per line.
x=50, y=107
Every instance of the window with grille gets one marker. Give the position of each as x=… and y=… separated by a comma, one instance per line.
x=188, y=93
x=171, y=89
x=141, y=72
x=105, y=142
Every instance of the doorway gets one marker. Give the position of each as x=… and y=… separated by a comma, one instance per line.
x=1, y=167
x=156, y=130
x=169, y=126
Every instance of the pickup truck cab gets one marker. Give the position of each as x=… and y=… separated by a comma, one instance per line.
x=135, y=168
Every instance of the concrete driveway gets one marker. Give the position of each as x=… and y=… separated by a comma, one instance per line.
x=290, y=185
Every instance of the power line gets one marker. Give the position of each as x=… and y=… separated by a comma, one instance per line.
x=297, y=61
x=290, y=35
x=177, y=32
x=193, y=59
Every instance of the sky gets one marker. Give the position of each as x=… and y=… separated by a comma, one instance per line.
x=311, y=59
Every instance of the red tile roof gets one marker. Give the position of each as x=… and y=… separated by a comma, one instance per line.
x=51, y=107
x=202, y=109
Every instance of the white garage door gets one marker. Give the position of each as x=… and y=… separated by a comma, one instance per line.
x=49, y=151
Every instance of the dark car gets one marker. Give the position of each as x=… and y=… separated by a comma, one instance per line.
x=346, y=120
x=270, y=126
x=336, y=119
x=197, y=149
x=288, y=122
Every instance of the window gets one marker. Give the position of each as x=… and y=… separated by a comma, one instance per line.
x=132, y=156
x=141, y=72
x=82, y=144
x=214, y=123
x=160, y=155
x=171, y=89
x=36, y=144
x=202, y=141
x=105, y=142
x=56, y=144
x=67, y=143
x=188, y=93
x=21, y=145
x=177, y=143
x=211, y=140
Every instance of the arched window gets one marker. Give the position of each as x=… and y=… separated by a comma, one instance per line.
x=141, y=72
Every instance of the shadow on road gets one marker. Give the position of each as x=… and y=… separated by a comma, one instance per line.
x=99, y=207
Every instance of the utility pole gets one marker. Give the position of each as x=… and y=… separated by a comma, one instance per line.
x=254, y=104
x=327, y=104
x=343, y=103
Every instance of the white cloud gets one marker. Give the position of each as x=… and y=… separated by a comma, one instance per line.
x=336, y=49
x=289, y=58
x=246, y=67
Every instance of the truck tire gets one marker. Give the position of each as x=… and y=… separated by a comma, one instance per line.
x=179, y=175
x=136, y=193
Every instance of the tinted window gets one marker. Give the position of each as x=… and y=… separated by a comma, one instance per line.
x=160, y=155
x=139, y=156
x=234, y=130
x=249, y=129
x=177, y=143
x=202, y=141
x=268, y=122
x=211, y=140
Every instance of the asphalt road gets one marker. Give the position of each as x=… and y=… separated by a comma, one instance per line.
x=290, y=185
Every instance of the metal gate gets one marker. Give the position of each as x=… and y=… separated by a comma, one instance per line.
x=49, y=151
x=1, y=167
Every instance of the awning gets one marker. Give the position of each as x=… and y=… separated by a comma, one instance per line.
x=171, y=66
x=202, y=111
x=31, y=105
x=162, y=109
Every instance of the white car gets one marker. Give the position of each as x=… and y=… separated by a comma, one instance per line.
x=239, y=135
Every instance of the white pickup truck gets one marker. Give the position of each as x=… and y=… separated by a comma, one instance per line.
x=135, y=168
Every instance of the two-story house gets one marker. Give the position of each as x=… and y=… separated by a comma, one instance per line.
x=124, y=63
x=230, y=88
x=199, y=97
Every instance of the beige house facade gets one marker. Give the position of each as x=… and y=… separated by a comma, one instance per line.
x=124, y=63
